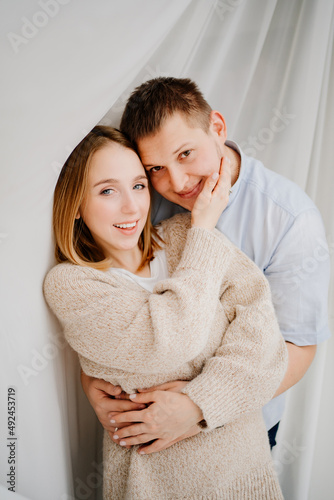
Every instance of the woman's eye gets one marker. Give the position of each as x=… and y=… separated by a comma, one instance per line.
x=107, y=191
x=185, y=153
x=139, y=186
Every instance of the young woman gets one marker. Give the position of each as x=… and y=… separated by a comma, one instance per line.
x=143, y=306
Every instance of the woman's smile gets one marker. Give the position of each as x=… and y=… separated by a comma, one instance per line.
x=127, y=227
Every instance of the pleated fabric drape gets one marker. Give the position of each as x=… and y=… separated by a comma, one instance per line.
x=268, y=67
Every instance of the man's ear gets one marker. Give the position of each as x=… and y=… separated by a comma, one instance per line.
x=218, y=125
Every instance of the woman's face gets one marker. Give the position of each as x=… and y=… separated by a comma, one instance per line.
x=117, y=201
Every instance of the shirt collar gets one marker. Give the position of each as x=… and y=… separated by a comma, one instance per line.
x=235, y=188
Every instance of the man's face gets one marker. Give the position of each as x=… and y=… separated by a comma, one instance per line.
x=180, y=157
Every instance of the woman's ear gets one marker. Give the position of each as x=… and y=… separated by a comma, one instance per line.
x=78, y=216
x=218, y=125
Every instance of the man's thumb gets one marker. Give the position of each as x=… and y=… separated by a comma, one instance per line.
x=112, y=390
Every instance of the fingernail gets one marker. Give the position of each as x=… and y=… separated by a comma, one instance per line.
x=132, y=396
x=215, y=176
x=115, y=436
x=113, y=421
x=142, y=453
x=122, y=443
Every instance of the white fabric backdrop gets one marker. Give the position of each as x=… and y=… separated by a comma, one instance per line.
x=68, y=64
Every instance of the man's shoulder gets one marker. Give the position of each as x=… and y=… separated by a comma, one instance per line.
x=275, y=189
x=264, y=208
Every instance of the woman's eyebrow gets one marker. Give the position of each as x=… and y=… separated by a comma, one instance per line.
x=140, y=177
x=116, y=181
x=109, y=181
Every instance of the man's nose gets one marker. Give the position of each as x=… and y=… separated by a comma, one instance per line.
x=177, y=179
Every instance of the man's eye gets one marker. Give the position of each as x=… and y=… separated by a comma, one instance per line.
x=155, y=169
x=185, y=153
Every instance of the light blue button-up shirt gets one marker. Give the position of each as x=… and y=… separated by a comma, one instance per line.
x=278, y=226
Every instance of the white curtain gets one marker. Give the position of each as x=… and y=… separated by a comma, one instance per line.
x=66, y=65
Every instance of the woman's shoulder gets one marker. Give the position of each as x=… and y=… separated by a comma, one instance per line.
x=65, y=270
x=67, y=276
x=68, y=285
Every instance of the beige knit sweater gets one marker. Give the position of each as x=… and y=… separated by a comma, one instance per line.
x=211, y=323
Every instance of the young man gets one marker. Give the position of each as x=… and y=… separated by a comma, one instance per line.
x=181, y=141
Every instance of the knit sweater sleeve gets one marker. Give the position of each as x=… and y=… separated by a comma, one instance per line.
x=251, y=361
x=122, y=326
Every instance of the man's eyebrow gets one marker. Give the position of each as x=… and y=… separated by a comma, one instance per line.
x=186, y=144
x=180, y=148
x=116, y=181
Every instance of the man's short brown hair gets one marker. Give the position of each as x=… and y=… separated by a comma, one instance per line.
x=155, y=100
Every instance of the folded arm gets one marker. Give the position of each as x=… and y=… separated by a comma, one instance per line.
x=251, y=361
x=123, y=327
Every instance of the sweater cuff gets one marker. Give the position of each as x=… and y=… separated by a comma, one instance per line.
x=205, y=249
x=217, y=408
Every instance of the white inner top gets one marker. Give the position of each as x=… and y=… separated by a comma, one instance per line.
x=159, y=271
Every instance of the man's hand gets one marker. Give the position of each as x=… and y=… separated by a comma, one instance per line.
x=101, y=395
x=170, y=417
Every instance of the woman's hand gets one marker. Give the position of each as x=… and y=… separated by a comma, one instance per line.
x=170, y=417
x=163, y=444
x=213, y=198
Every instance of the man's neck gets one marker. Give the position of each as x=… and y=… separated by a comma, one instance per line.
x=235, y=163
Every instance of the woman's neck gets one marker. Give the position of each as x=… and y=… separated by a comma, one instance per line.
x=130, y=261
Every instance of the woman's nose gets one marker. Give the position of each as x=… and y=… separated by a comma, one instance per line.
x=129, y=204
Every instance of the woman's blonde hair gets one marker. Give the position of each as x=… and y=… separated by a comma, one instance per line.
x=73, y=240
